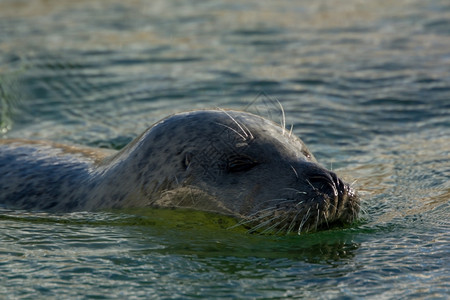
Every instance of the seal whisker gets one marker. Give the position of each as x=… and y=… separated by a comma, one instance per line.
x=295, y=190
x=286, y=201
x=261, y=225
x=298, y=203
x=251, y=219
x=351, y=185
x=317, y=219
x=248, y=131
x=290, y=130
x=281, y=200
x=295, y=172
x=310, y=184
x=274, y=225
x=271, y=209
x=358, y=208
x=282, y=228
x=334, y=207
x=304, y=219
x=274, y=199
x=234, y=120
x=272, y=212
x=246, y=221
x=234, y=130
x=325, y=218
x=283, y=116
x=291, y=226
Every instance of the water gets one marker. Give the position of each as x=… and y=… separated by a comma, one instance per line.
x=365, y=84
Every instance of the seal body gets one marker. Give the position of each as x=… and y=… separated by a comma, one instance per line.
x=228, y=162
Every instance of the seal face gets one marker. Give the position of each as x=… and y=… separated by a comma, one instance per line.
x=229, y=162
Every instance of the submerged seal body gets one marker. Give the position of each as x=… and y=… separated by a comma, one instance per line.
x=229, y=162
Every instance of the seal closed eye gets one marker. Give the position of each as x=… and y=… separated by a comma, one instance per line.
x=240, y=163
x=228, y=162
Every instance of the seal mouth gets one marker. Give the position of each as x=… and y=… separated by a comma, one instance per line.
x=331, y=202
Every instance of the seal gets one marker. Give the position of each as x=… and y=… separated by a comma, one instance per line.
x=224, y=161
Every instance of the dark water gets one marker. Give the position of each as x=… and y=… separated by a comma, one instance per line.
x=365, y=84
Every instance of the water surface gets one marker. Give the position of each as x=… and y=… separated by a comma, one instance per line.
x=365, y=84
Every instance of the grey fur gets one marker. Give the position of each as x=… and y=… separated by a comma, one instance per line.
x=229, y=162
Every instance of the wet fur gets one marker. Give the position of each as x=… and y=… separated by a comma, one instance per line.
x=228, y=162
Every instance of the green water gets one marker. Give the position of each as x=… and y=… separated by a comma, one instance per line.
x=366, y=85
x=120, y=255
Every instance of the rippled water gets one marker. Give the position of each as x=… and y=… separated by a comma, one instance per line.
x=365, y=84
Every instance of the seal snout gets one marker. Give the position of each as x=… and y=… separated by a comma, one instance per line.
x=340, y=199
x=326, y=182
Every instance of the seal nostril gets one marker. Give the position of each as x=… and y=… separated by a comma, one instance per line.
x=324, y=183
x=339, y=184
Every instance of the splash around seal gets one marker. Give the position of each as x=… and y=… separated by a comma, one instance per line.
x=229, y=162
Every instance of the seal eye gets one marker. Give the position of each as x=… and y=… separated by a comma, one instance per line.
x=239, y=163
